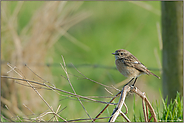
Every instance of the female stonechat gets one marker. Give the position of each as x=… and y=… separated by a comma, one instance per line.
x=128, y=65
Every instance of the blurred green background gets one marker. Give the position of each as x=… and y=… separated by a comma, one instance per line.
x=129, y=25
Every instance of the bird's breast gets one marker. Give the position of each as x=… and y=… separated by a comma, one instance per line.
x=125, y=70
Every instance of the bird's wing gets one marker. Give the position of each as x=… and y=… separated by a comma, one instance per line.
x=132, y=61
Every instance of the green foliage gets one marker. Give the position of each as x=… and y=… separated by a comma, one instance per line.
x=173, y=112
x=3, y=120
x=134, y=115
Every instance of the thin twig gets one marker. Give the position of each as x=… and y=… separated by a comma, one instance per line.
x=138, y=92
x=58, y=113
x=108, y=91
x=144, y=112
x=29, y=109
x=13, y=68
x=126, y=108
x=64, y=68
x=117, y=110
x=46, y=102
x=107, y=106
x=91, y=79
x=115, y=88
x=38, y=94
x=147, y=110
x=58, y=89
x=87, y=119
x=151, y=109
x=123, y=114
x=38, y=75
x=150, y=118
x=127, y=88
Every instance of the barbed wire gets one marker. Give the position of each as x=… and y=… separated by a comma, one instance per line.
x=70, y=65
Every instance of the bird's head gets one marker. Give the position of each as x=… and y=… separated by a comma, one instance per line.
x=121, y=53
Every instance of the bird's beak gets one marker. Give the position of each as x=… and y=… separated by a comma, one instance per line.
x=114, y=53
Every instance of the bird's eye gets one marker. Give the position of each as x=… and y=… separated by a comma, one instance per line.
x=121, y=53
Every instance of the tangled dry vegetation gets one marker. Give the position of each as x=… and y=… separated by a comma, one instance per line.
x=36, y=86
x=29, y=45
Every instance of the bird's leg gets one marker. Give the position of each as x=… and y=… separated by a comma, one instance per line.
x=134, y=81
x=129, y=81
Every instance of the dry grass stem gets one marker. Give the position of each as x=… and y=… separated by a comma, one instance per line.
x=144, y=112
x=145, y=103
x=108, y=91
x=35, y=82
x=29, y=109
x=115, y=88
x=91, y=79
x=107, y=106
x=65, y=69
x=141, y=94
x=126, y=108
x=55, y=114
x=123, y=115
x=117, y=110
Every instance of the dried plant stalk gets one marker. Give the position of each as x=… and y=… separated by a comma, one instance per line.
x=127, y=88
x=117, y=110
x=30, y=45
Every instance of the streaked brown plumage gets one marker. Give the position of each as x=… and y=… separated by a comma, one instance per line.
x=128, y=65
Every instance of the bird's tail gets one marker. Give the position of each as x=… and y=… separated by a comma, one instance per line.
x=154, y=75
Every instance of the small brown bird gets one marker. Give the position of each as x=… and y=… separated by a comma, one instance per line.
x=128, y=65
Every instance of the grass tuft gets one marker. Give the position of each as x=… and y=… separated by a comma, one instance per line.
x=173, y=112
